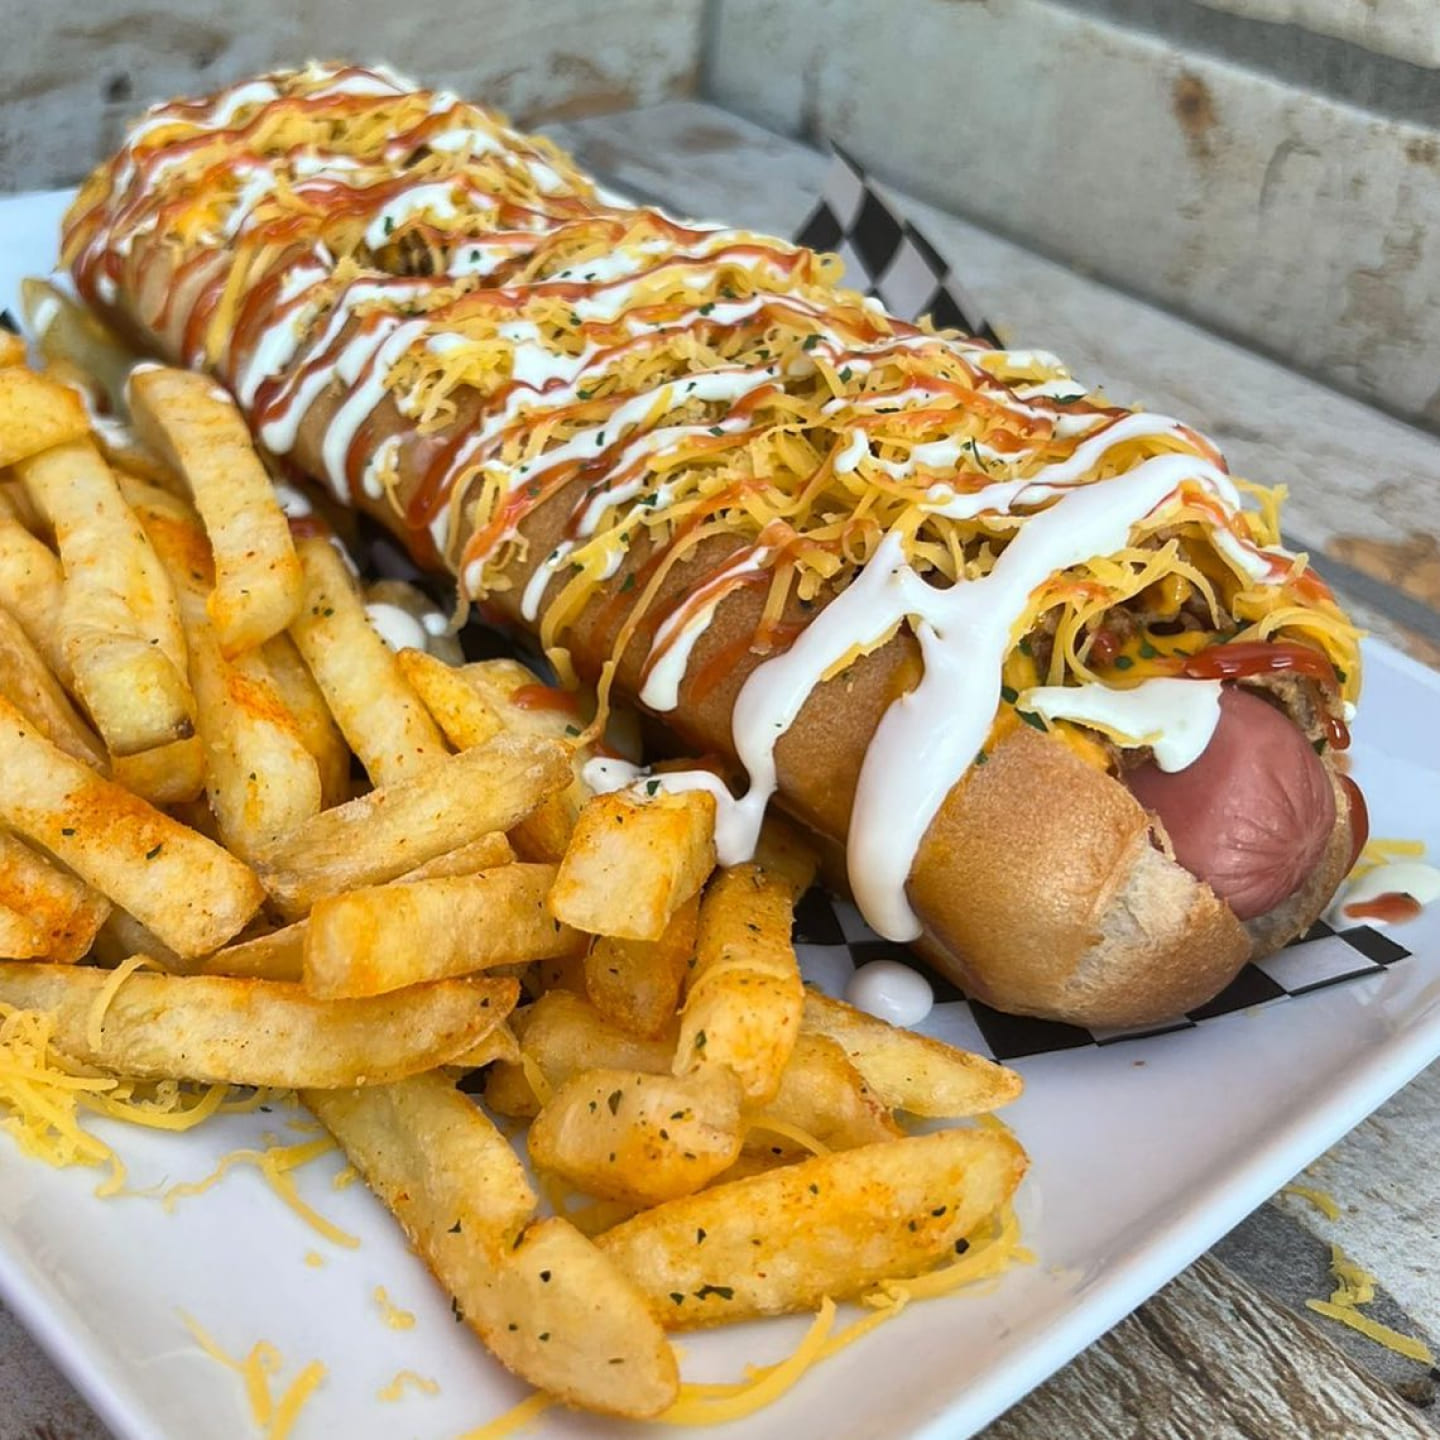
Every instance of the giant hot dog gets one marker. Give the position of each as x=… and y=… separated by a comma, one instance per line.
x=1068, y=708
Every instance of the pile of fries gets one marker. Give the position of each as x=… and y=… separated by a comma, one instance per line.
x=346, y=867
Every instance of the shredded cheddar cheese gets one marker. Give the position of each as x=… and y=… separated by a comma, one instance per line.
x=774, y=1126
x=1322, y=1200
x=95, y=1021
x=1355, y=1286
x=43, y=1095
x=395, y=1389
x=275, y=1164
x=274, y=1417
x=1348, y=1315
x=392, y=1314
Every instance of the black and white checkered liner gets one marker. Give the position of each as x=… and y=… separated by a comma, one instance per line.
x=832, y=941
x=885, y=255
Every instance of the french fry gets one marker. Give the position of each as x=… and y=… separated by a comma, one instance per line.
x=366, y=942
x=26, y=682
x=634, y=861
x=122, y=936
x=66, y=332
x=12, y=348
x=187, y=890
x=526, y=707
x=485, y=852
x=316, y=726
x=195, y=425
x=172, y=774
x=499, y=1044
x=280, y=955
x=65, y=910
x=375, y=706
x=636, y=983
x=458, y=709
x=831, y=1226
x=562, y=1034
x=787, y=855
x=261, y=779
x=911, y=1072
x=540, y=1296
x=21, y=937
x=120, y=628
x=822, y=1094
x=254, y=1032
x=32, y=588
x=640, y=1138
x=36, y=413
x=745, y=995
x=393, y=829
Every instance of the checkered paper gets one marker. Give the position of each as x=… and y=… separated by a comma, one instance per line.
x=832, y=941
x=885, y=255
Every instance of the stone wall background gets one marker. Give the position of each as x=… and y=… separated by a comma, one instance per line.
x=1270, y=168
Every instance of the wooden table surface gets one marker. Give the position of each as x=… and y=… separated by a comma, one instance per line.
x=1228, y=1349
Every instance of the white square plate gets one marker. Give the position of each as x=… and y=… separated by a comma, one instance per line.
x=1144, y=1153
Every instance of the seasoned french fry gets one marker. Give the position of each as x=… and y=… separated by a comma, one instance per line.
x=32, y=589
x=745, y=996
x=122, y=936
x=66, y=911
x=316, y=726
x=526, y=707
x=187, y=890
x=26, y=682
x=21, y=937
x=787, y=855
x=67, y=332
x=391, y=830
x=167, y=775
x=834, y=1225
x=460, y=712
x=499, y=1044
x=540, y=1296
x=261, y=779
x=485, y=852
x=822, y=1094
x=376, y=707
x=634, y=861
x=641, y=1138
x=255, y=1032
x=562, y=1034
x=911, y=1072
x=195, y=425
x=366, y=942
x=280, y=955
x=636, y=983
x=120, y=628
x=36, y=413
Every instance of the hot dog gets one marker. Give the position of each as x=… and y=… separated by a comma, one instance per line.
x=952, y=613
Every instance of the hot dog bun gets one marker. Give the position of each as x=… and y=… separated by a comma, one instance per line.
x=1030, y=872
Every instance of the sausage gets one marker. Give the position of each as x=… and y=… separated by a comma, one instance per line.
x=1253, y=815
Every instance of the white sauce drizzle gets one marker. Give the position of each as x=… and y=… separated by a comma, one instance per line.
x=398, y=628
x=1175, y=717
x=675, y=639
x=891, y=991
